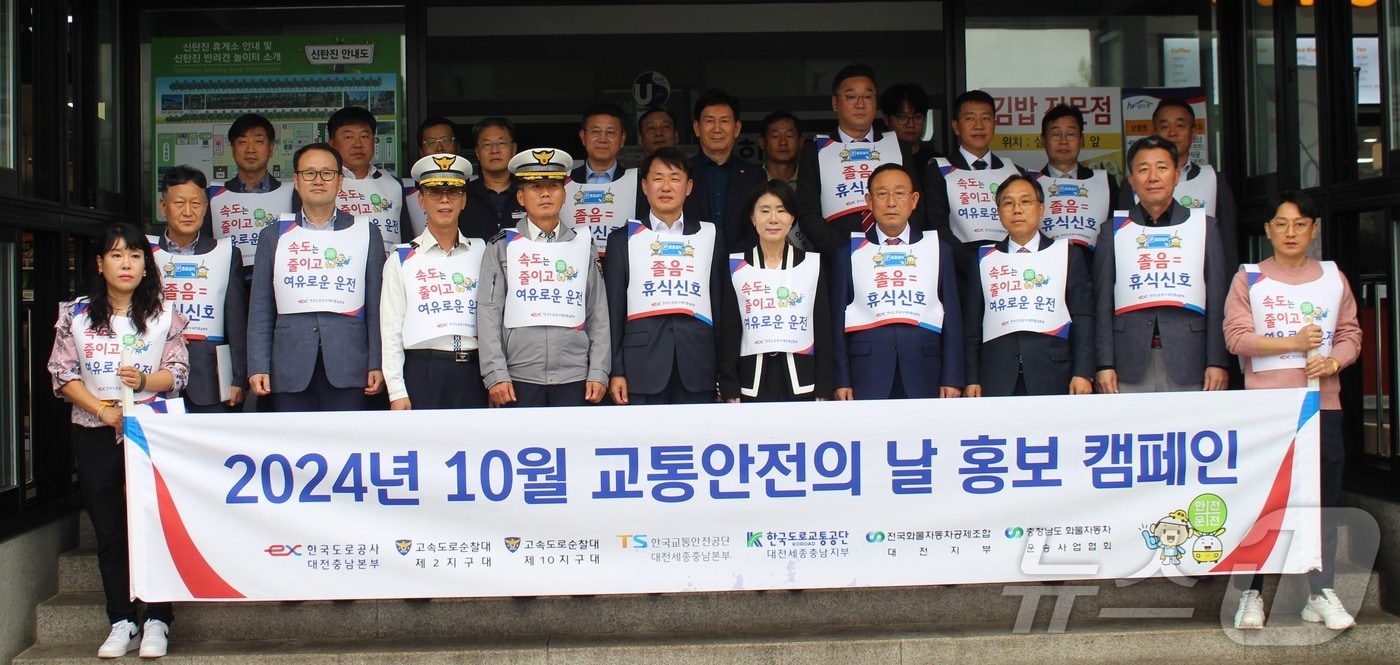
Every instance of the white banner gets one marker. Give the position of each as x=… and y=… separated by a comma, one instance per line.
x=287, y=506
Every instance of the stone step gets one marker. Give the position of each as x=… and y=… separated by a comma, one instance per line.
x=70, y=614
x=77, y=571
x=1285, y=640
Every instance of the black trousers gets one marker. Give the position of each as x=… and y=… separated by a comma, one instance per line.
x=102, y=472
x=673, y=393
x=435, y=380
x=560, y=394
x=216, y=407
x=320, y=395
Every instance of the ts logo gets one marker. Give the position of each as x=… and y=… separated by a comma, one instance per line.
x=283, y=550
x=636, y=541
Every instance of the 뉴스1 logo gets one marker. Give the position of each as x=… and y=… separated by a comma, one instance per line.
x=283, y=550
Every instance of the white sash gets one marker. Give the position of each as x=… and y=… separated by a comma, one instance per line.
x=378, y=200
x=100, y=355
x=1159, y=266
x=241, y=217
x=846, y=168
x=321, y=271
x=196, y=285
x=1280, y=310
x=1024, y=292
x=669, y=274
x=1074, y=208
x=776, y=306
x=894, y=284
x=596, y=209
x=972, y=199
x=547, y=282
x=440, y=293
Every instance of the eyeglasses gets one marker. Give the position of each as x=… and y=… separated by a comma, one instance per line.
x=1298, y=225
x=493, y=145
x=907, y=118
x=599, y=132
x=852, y=99
x=312, y=176
x=439, y=143
x=883, y=196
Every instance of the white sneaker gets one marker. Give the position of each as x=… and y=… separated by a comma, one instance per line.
x=155, y=638
x=1328, y=610
x=1250, y=615
x=122, y=639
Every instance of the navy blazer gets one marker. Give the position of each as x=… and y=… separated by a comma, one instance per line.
x=1190, y=341
x=736, y=230
x=285, y=346
x=645, y=350
x=866, y=360
x=1048, y=362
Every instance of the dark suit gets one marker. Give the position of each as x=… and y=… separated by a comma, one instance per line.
x=867, y=360
x=831, y=237
x=650, y=351
x=480, y=218
x=744, y=376
x=933, y=208
x=1225, y=217
x=203, y=386
x=1047, y=362
x=1190, y=341
x=736, y=229
x=294, y=347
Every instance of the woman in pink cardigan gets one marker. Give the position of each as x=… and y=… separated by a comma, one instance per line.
x=1292, y=318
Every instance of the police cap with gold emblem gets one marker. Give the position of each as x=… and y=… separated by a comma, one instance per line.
x=541, y=164
x=442, y=170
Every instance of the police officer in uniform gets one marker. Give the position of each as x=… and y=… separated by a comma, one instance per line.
x=428, y=304
x=543, y=314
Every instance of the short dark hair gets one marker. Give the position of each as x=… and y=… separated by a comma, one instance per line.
x=320, y=145
x=247, y=123
x=716, y=97
x=1305, y=203
x=1061, y=111
x=972, y=97
x=1174, y=102
x=180, y=175
x=776, y=117
x=604, y=108
x=852, y=72
x=778, y=188
x=434, y=121
x=493, y=121
x=892, y=166
x=655, y=109
x=1152, y=142
x=668, y=156
x=1021, y=177
x=900, y=93
x=351, y=115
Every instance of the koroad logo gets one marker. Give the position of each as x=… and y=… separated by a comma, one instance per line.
x=340, y=54
x=403, y=545
x=755, y=539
